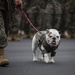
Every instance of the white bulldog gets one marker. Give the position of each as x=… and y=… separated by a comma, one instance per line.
x=48, y=41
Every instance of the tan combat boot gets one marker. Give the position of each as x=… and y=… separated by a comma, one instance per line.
x=67, y=35
x=3, y=60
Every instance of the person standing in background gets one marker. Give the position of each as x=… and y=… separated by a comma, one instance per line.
x=4, y=27
x=14, y=20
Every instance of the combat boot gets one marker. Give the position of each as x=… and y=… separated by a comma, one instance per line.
x=9, y=37
x=73, y=35
x=16, y=37
x=67, y=35
x=3, y=59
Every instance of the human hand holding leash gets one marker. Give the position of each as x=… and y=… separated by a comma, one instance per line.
x=18, y=4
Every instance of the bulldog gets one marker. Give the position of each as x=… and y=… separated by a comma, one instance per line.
x=47, y=41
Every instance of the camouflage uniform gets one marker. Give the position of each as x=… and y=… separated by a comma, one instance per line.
x=24, y=25
x=3, y=22
x=4, y=27
x=62, y=24
x=3, y=31
x=33, y=9
x=51, y=15
x=15, y=18
x=70, y=19
x=57, y=14
x=46, y=15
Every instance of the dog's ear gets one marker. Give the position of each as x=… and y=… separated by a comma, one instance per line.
x=59, y=32
x=47, y=30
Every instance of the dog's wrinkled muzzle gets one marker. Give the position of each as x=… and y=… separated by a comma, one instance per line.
x=53, y=41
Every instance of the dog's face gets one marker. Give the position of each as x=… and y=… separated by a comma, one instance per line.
x=52, y=37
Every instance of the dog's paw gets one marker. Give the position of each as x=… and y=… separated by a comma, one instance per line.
x=35, y=59
x=52, y=61
x=41, y=57
x=46, y=58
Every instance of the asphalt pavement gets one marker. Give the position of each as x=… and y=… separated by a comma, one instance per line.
x=19, y=54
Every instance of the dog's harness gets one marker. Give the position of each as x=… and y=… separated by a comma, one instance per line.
x=47, y=47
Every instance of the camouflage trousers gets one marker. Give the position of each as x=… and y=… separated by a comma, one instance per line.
x=3, y=37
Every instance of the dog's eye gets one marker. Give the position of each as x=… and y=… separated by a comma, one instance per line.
x=50, y=36
x=57, y=36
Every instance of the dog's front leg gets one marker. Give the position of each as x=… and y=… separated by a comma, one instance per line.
x=52, y=57
x=46, y=57
x=52, y=60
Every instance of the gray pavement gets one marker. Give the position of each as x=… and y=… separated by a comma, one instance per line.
x=19, y=54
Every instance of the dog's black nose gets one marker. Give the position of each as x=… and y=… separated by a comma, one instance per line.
x=54, y=38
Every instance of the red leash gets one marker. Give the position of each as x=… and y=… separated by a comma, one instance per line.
x=29, y=20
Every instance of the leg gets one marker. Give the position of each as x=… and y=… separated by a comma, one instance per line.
x=3, y=43
x=46, y=57
x=34, y=47
x=52, y=60
x=41, y=56
x=52, y=57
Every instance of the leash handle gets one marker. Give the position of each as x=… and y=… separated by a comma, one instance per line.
x=29, y=20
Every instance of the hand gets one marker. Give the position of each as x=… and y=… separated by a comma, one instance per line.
x=18, y=4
